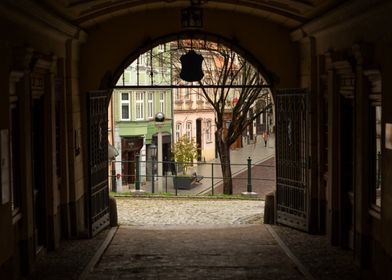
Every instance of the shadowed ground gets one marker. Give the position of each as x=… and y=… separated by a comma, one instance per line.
x=190, y=252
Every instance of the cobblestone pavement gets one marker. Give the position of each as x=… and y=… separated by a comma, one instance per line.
x=177, y=211
x=195, y=252
x=240, y=248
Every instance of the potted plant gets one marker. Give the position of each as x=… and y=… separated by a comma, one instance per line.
x=184, y=153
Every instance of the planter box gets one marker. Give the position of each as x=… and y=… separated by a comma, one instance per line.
x=183, y=182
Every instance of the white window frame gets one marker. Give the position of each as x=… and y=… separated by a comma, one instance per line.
x=162, y=101
x=198, y=94
x=161, y=47
x=178, y=130
x=189, y=129
x=150, y=104
x=178, y=94
x=143, y=59
x=187, y=95
x=208, y=131
x=139, y=105
x=123, y=103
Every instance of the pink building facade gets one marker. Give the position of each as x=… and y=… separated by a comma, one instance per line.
x=194, y=117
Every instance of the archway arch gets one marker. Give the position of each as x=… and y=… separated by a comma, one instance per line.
x=277, y=49
x=270, y=77
x=111, y=46
x=245, y=92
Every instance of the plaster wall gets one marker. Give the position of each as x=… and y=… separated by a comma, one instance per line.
x=183, y=117
x=118, y=41
x=6, y=236
x=21, y=31
x=369, y=28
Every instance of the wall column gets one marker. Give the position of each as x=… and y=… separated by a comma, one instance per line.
x=362, y=195
x=333, y=197
x=27, y=204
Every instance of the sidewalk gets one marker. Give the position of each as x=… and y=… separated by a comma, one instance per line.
x=212, y=173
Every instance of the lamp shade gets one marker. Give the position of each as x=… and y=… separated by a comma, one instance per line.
x=112, y=152
x=153, y=150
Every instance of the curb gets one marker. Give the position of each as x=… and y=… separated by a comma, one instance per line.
x=305, y=272
x=98, y=254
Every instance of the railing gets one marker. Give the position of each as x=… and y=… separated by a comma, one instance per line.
x=142, y=176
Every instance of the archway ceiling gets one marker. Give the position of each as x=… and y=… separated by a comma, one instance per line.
x=288, y=13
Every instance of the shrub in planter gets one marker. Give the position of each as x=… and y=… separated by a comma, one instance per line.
x=184, y=152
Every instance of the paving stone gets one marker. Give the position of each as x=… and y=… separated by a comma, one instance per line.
x=150, y=211
x=320, y=258
x=69, y=260
x=196, y=252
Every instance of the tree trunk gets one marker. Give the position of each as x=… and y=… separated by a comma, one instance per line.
x=226, y=168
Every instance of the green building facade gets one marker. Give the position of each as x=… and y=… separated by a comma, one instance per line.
x=134, y=109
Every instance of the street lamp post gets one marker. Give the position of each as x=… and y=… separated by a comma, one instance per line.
x=153, y=150
x=137, y=189
x=159, y=123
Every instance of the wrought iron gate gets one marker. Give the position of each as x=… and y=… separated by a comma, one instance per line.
x=292, y=171
x=98, y=190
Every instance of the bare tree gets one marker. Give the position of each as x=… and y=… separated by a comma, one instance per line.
x=237, y=98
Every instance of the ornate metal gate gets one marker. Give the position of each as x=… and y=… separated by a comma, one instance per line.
x=98, y=190
x=292, y=171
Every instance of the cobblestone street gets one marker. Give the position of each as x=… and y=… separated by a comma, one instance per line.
x=177, y=211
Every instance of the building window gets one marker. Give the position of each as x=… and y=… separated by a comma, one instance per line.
x=208, y=131
x=376, y=155
x=162, y=102
x=126, y=77
x=139, y=104
x=187, y=95
x=125, y=108
x=143, y=59
x=189, y=130
x=150, y=104
x=178, y=94
x=161, y=48
x=178, y=131
x=199, y=95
